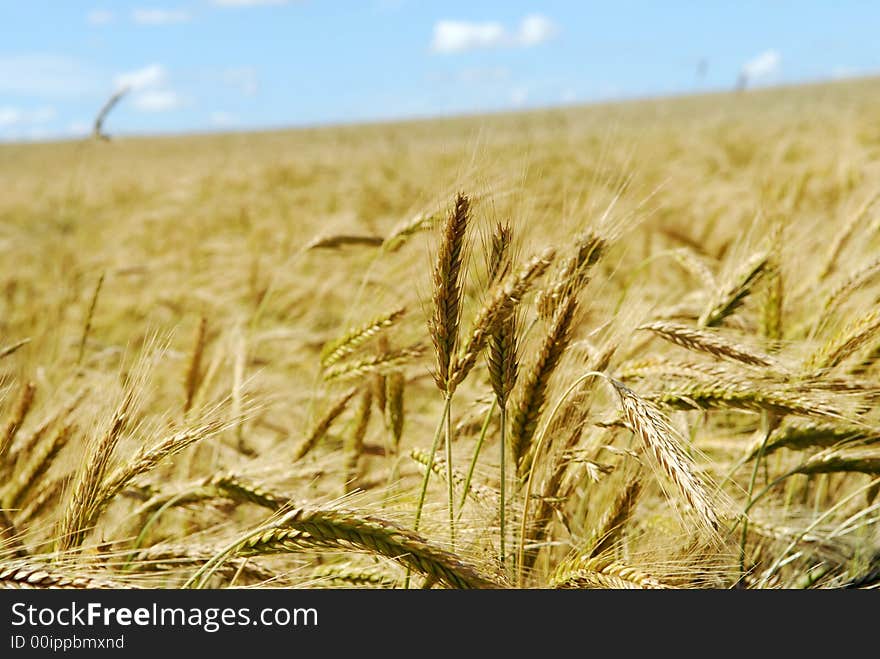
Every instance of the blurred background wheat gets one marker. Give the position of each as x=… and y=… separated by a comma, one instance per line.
x=625, y=345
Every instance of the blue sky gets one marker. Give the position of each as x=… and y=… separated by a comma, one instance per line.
x=203, y=65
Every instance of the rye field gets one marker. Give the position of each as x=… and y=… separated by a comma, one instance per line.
x=633, y=345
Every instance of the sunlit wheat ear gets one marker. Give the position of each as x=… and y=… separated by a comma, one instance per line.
x=849, y=340
x=194, y=368
x=345, y=530
x=39, y=461
x=481, y=494
x=609, y=527
x=731, y=294
x=81, y=510
x=11, y=541
x=498, y=308
x=19, y=451
x=356, y=336
x=772, y=304
x=381, y=363
x=857, y=280
x=33, y=576
x=354, y=444
x=354, y=576
x=379, y=384
x=662, y=442
x=800, y=436
x=409, y=227
x=323, y=425
x=830, y=461
x=502, y=353
x=379, y=380
x=337, y=240
x=535, y=382
x=712, y=343
x=446, y=280
x=47, y=496
x=572, y=275
x=167, y=558
x=16, y=418
x=499, y=253
x=87, y=325
x=239, y=365
x=842, y=237
x=388, y=539
x=242, y=489
x=395, y=393
x=604, y=573
x=147, y=458
x=697, y=266
x=5, y=351
x=727, y=392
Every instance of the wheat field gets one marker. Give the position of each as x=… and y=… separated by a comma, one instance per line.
x=633, y=345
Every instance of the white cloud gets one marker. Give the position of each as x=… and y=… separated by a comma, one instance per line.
x=763, y=66
x=159, y=16
x=221, y=119
x=519, y=96
x=149, y=77
x=157, y=100
x=250, y=3
x=99, y=17
x=536, y=29
x=14, y=117
x=9, y=117
x=46, y=75
x=243, y=78
x=150, y=89
x=462, y=36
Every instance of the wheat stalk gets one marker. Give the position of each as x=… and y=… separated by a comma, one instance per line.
x=87, y=325
x=30, y=576
x=148, y=458
x=5, y=351
x=82, y=507
x=343, y=239
x=572, y=276
x=614, y=519
x=390, y=540
x=536, y=382
x=844, y=290
x=354, y=445
x=16, y=418
x=602, y=572
x=395, y=392
x=663, y=443
x=715, y=344
x=376, y=364
x=846, y=342
x=356, y=336
x=29, y=475
x=446, y=278
x=498, y=308
x=728, y=298
x=842, y=237
x=323, y=425
x=193, y=369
